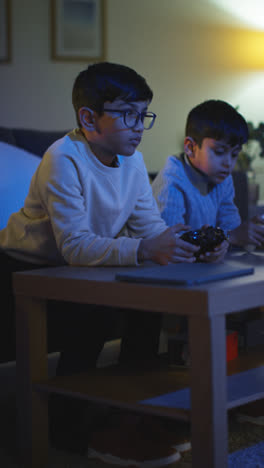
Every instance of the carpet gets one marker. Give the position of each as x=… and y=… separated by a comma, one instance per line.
x=246, y=445
x=251, y=457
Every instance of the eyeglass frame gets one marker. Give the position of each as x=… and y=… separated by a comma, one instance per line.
x=140, y=115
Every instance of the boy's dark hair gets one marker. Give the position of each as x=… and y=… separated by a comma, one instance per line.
x=216, y=119
x=107, y=81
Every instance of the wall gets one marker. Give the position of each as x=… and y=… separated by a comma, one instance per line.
x=188, y=50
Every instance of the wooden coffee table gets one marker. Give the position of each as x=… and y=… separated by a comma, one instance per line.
x=205, y=307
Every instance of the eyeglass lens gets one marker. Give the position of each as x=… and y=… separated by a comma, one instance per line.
x=132, y=118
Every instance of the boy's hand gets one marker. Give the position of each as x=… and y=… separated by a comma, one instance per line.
x=168, y=247
x=249, y=232
x=217, y=255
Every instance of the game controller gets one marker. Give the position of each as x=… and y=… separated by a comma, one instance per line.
x=207, y=238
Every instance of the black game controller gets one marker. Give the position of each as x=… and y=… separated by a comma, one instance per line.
x=207, y=238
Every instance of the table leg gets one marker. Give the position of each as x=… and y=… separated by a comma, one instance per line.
x=207, y=339
x=31, y=365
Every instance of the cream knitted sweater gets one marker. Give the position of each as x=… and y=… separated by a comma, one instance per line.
x=80, y=212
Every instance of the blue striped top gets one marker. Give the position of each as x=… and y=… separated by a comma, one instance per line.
x=184, y=195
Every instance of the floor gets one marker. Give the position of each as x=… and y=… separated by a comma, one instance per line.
x=240, y=435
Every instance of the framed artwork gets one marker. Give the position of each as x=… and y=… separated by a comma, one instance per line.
x=78, y=30
x=5, y=31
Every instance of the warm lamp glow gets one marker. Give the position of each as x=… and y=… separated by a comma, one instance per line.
x=251, y=50
x=230, y=48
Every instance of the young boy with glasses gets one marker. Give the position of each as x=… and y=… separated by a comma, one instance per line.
x=90, y=203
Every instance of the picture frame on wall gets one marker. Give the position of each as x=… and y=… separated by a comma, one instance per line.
x=78, y=30
x=5, y=31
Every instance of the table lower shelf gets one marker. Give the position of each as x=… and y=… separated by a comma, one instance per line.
x=165, y=388
x=119, y=387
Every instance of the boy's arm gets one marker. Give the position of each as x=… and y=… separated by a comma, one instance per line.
x=249, y=232
x=240, y=234
x=228, y=217
x=168, y=247
x=217, y=255
x=160, y=243
x=61, y=194
x=148, y=219
x=170, y=199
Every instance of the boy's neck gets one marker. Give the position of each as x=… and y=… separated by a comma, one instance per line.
x=104, y=157
x=203, y=174
x=198, y=178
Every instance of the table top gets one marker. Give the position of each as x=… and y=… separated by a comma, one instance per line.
x=97, y=285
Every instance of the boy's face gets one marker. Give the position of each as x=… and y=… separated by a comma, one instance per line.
x=215, y=158
x=110, y=136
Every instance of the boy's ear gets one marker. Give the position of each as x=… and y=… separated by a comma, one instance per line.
x=86, y=117
x=189, y=145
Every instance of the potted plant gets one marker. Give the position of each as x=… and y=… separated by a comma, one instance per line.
x=253, y=149
x=248, y=160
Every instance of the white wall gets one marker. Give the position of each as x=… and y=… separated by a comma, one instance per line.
x=188, y=50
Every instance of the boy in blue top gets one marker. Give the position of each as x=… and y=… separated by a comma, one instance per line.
x=196, y=187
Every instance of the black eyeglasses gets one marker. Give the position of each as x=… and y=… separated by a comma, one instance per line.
x=131, y=117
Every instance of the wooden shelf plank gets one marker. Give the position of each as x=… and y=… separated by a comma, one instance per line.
x=120, y=387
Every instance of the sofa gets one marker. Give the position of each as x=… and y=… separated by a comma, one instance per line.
x=20, y=153
x=33, y=141
x=15, y=176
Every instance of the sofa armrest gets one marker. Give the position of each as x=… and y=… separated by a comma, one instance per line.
x=33, y=141
x=36, y=141
x=7, y=136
